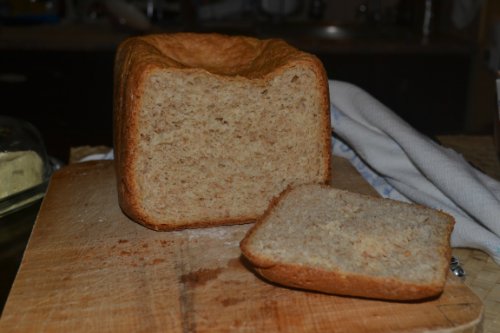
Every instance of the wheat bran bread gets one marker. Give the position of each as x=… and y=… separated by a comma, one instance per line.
x=319, y=238
x=209, y=128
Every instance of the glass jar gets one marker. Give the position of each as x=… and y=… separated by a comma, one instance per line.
x=25, y=168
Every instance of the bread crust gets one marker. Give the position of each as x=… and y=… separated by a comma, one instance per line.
x=349, y=284
x=338, y=282
x=246, y=58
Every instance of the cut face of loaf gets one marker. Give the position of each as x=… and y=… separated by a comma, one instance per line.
x=333, y=241
x=210, y=128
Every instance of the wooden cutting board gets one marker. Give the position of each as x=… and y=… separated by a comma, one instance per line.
x=89, y=268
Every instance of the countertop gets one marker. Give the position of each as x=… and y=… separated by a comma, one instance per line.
x=186, y=281
x=61, y=37
x=103, y=36
x=483, y=274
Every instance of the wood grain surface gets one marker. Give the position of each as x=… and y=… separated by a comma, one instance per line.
x=88, y=268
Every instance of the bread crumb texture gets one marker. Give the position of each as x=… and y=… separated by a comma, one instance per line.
x=352, y=234
x=217, y=141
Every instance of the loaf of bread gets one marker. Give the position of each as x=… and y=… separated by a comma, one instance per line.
x=210, y=128
x=319, y=238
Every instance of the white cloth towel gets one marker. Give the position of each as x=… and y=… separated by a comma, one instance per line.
x=403, y=164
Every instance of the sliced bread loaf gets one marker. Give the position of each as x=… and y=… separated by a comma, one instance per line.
x=320, y=238
x=210, y=128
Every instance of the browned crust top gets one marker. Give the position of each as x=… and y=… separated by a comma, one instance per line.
x=218, y=54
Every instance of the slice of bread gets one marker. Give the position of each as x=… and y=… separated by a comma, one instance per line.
x=320, y=238
x=210, y=128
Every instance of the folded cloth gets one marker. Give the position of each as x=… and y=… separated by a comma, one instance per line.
x=403, y=164
x=100, y=156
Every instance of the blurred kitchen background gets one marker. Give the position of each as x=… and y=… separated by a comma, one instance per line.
x=431, y=61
